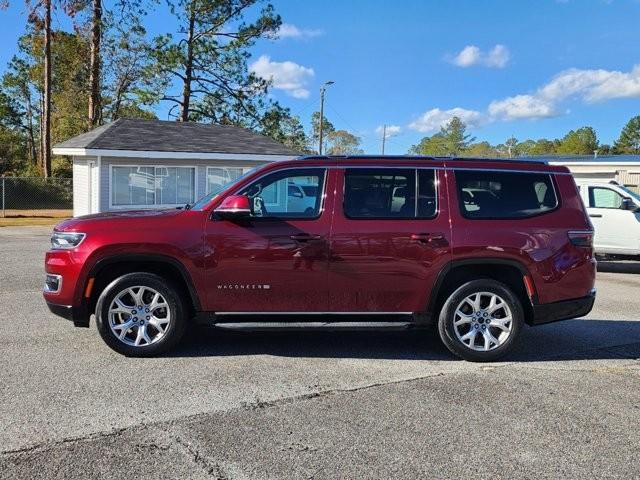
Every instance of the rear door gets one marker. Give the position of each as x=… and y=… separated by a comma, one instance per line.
x=387, y=244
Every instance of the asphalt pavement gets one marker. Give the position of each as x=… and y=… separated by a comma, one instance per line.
x=565, y=404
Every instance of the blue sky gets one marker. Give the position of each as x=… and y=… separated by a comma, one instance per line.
x=525, y=68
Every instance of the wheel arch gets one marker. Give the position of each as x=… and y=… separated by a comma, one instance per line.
x=455, y=273
x=109, y=268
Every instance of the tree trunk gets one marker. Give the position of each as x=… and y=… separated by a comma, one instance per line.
x=33, y=155
x=94, y=68
x=188, y=70
x=46, y=140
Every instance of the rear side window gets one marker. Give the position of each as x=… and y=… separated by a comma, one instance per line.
x=484, y=194
x=390, y=193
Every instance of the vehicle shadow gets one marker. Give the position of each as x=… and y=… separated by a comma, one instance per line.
x=609, y=266
x=579, y=339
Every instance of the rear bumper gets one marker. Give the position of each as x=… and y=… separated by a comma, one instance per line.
x=78, y=316
x=553, y=312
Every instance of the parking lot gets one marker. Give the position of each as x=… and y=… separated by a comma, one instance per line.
x=301, y=405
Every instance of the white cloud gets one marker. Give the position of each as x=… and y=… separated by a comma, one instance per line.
x=434, y=119
x=589, y=86
x=471, y=55
x=521, y=107
x=287, y=30
x=593, y=85
x=391, y=130
x=287, y=76
x=498, y=57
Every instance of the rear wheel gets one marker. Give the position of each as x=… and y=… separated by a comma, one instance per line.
x=140, y=314
x=480, y=321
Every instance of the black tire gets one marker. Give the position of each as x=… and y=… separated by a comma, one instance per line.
x=175, y=307
x=446, y=320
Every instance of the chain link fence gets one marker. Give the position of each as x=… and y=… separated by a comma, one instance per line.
x=36, y=197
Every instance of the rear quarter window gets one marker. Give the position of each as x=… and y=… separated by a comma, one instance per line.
x=508, y=195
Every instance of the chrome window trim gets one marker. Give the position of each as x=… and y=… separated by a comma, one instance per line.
x=511, y=170
x=436, y=186
x=266, y=174
x=544, y=212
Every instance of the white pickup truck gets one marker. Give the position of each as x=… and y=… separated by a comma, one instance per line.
x=614, y=211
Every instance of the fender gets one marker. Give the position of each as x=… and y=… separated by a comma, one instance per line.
x=435, y=291
x=151, y=257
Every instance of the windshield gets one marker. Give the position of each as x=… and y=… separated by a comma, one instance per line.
x=219, y=188
x=631, y=193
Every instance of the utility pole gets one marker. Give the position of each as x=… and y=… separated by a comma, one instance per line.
x=46, y=107
x=323, y=88
x=384, y=137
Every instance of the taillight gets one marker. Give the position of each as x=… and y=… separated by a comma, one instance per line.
x=581, y=238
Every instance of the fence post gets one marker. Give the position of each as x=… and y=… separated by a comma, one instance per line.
x=3, y=212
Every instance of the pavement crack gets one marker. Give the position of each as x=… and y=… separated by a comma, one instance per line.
x=48, y=445
x=212, y=469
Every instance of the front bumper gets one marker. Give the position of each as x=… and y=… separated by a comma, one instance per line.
x=553, y=312
x=78, y=315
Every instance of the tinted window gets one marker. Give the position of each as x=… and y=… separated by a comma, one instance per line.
x=389, y=193
x=600, y=197
x=280, y=194
x=485, y=194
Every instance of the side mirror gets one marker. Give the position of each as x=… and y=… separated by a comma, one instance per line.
x=629, y=204
x=234, y=206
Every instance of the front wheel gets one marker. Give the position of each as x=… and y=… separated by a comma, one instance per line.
x=480, y=321
x=140, y=315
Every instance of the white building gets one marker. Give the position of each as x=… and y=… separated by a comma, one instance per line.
x=624, y=169
x=133, y=163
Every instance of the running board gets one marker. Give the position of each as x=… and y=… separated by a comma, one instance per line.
x=342, y=326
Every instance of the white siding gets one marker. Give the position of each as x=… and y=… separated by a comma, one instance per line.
x=201, y=171
x=95, y=185
x=80, y=186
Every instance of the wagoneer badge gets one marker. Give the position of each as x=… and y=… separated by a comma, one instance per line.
x=243, y=286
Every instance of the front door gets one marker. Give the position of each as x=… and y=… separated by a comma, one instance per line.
x=276, y=260
x=616, y=228
x=390, y=239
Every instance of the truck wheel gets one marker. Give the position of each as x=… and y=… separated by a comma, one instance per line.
x=140, y=315
x=481, y=320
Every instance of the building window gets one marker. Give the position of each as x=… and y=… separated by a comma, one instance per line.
x=152, y=186
x=219, y=178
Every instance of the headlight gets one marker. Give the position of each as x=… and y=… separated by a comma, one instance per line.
x=64, y=241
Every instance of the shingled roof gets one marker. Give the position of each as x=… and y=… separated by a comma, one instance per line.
x=164, y=136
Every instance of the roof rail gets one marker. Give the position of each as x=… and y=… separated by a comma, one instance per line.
x=421, y=157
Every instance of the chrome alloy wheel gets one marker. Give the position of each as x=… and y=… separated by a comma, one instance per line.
x=483, y=321
x=139, y=316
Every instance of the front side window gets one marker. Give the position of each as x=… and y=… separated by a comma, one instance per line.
x=283, y=194
x=601, y=197
x=150, y=185
x=496, y=195
x=389, y=193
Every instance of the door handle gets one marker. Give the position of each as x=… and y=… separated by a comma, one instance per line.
x=426, y=237
x=595, y=215
x=305, y=237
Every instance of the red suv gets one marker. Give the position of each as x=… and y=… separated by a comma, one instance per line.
x=477, y=247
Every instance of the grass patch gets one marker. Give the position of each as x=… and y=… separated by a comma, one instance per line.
x=28, y=221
